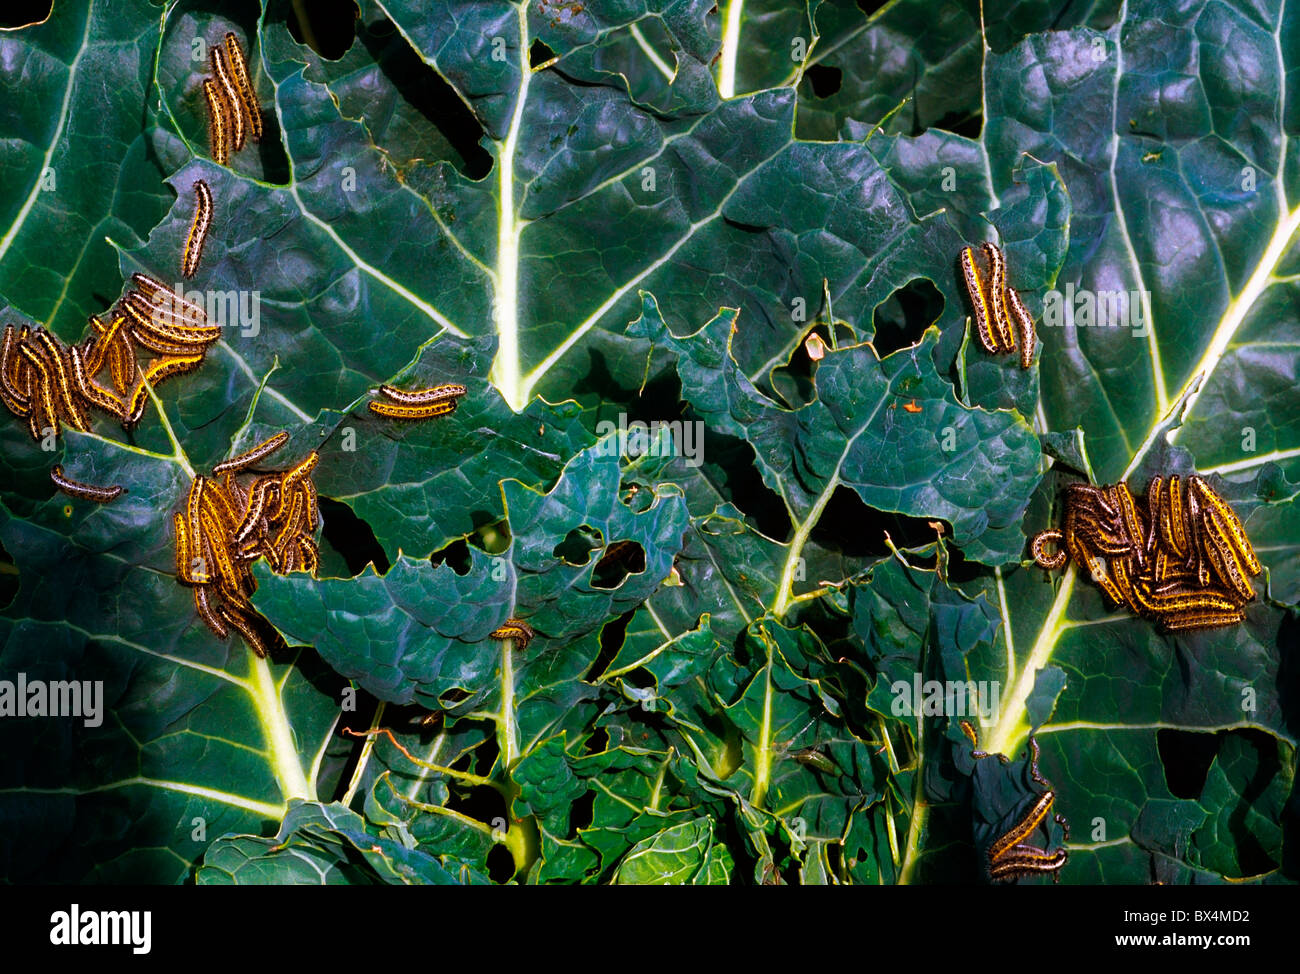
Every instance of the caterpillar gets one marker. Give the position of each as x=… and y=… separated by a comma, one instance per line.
x=247, y=93
x=1173, y=518
x=159, y=294
x=165, y=368
x=184, y=549
x=45, y=414
x=183, y=327
x=1002, y=322
x=88, y=492
x=1050, y=562
x=228, y=526
x=91, y=391
x=13, y=389
x=1003, y=337
x=213, y=620
x=1180, y=557
x=291, y=523
x=1024, y=828
x=218, y=502
x=246, y=629
x=158, y=337
x=230, y=100
x=398, y=411
x=199, y=227
x=218, y=134
x=1225, y=518
x=1119, y=574
x=292, y=477
x=969, y=731
x=1224, y=560
x=311, y=506
x=518, y=630
x=308, y=555
x=257, y=500
x=121, y=366
x=1202, y=620
x=1131, y=520
x=1024, y=327
x=1025, y=860
x=975, y=290
x=218, y=542
x=250, y=457
x=67, y=404
x=420, y=397
x=1204, y=599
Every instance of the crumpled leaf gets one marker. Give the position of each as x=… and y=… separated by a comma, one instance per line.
x=325, y=845
x=442, y=645
x=857, y=434
x=681, y=855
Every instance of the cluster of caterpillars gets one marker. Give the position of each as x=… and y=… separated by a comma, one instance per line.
x=48, y=382
x=226, y=526
x=1181, y=557
x=440, y=400
x=234, y=115
x=1000, y=315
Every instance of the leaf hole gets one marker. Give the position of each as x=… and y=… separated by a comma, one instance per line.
x=352, y=538
x=966, y=124
x=329, y=29
x=539, y=53
x=598, y=742
x=902, y=318
x=733, y=471
x=449, y=698
x=429, y=94
x=793, y=382
x=27, y=14
x=481, y=758
x=1186, y=757
x=612, y=636
x=455, y=556
x=582, y=812
x=621, y=559
x=500, y=864
x=577, y=546
x=1248, y=760
x=855, y=531
x=825, y=80
x=637, y=497
x=478, y=802
x=493, y=537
